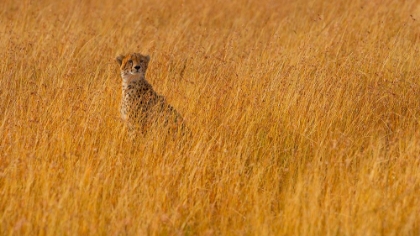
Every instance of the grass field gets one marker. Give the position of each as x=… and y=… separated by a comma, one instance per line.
x=305, y=118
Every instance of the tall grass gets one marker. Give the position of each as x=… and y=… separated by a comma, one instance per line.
x=304, y=114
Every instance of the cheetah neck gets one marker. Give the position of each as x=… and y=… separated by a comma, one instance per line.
x=130, y=79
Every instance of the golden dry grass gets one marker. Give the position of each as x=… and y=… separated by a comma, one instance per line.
x=305, y=118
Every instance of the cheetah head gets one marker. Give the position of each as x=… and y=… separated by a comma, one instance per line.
x=133, y=65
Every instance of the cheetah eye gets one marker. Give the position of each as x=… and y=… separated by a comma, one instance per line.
x=130, y=61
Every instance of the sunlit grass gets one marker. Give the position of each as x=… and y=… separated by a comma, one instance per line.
x=304, y=118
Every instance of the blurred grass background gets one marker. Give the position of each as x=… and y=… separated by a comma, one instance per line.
x=305, y=117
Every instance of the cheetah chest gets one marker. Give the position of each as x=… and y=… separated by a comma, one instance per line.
x=136, y=102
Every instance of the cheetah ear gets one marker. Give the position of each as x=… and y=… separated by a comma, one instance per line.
x=119, y=59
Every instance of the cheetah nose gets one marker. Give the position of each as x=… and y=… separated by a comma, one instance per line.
x=137, y=67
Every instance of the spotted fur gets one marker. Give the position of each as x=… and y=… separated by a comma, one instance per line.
x=141, y=106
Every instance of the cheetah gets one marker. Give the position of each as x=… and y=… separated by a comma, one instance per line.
x=141, y=107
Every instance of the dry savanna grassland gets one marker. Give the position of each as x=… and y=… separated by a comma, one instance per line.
x=304, y=118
